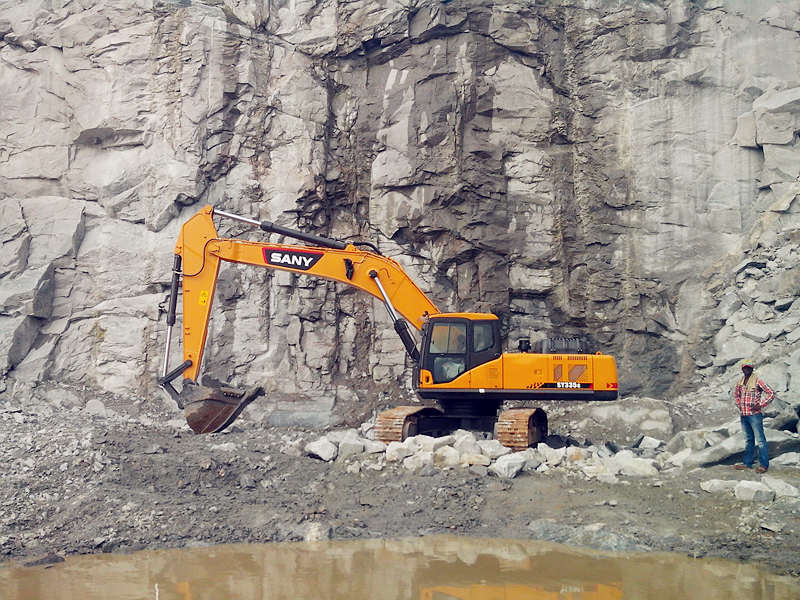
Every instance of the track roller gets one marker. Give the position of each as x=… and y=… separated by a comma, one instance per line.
x=401, y=422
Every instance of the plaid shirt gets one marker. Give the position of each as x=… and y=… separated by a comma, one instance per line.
x=749, y=401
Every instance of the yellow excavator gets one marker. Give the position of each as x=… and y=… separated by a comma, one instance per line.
x=460, y=370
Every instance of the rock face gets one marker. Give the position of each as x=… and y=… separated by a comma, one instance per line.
x=627, y=172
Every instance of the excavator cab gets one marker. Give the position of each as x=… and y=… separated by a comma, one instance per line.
x=456, y=343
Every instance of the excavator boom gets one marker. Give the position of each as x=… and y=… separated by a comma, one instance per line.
x=198, y=255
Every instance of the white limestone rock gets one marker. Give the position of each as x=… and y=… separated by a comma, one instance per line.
x=508, y=466
x=467, y=445
x=373, y=446
x=471, y=458
x=533, y=458
x=397, y=451
x=429, y=444
x=493, y=448
x=446, y=456
x=418, y=461
x=633, y=466
x=552, y=456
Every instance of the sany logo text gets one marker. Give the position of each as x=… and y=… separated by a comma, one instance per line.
x=292, y=259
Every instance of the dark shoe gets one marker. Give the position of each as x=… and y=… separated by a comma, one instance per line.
x=740, y=467
x=761, y=469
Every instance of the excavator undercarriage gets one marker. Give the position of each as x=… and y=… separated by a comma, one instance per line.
x=515, y=428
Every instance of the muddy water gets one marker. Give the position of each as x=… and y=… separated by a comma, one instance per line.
x=431, y=568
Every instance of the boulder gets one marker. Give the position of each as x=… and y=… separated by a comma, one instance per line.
x=350, y=447
x=467, y=445
x=649, y=443
x=753, y=491
x=397, y=451
x=533, y=458
x=322, y=448
x=780, y=487
x=373, y=446
x=493, y=449
x=430, y=444
x=342, y=434
x=552, y=456
x=446, y=456
x=715, y=486
x=627, y=419
x=471, y=458
x=575, y=454
x=789, y=459
x=508, y=466
x=418, y=461
x=679, y=458
x=730, y=450
x=633, y=466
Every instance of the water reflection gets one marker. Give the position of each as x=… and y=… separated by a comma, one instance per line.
x=431, y=568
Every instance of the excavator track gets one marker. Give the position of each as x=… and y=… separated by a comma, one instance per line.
x=520, y=428
x=399, y=423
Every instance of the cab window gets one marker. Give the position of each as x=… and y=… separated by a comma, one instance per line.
x=482, y=337
x=449, y=338
x=448, y=347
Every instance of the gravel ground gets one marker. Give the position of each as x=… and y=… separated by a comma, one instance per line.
x=123, y=480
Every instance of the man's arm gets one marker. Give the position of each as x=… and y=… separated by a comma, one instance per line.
x=769, y=393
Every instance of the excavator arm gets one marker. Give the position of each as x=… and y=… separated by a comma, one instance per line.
x=198, y=255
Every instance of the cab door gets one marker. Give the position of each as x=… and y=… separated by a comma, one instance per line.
x=485, y=349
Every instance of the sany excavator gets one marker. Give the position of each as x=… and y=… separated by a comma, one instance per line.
x=460, y=368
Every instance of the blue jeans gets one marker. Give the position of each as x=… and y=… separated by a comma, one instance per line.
x=753, y=426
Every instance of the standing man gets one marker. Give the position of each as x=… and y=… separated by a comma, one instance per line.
x=747, y=394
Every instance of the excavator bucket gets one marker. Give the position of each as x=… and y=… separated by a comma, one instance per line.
x=211, y=408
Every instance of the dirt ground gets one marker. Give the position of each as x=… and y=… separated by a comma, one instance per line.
x=74, y=483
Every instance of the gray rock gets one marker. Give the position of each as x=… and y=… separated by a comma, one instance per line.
x=350, y=447
x=715, y=486
x=753, y=491
x=96, y=408
x=419, y=461
x=649, y=443
x=789, y=459
x=731, y=449
x=322, y=449
x=780, y=487
x=373, y=447
x=479, y=470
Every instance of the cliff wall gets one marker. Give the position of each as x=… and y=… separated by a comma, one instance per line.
x=624, y=171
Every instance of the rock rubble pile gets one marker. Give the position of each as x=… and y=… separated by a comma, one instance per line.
x=606, y=462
